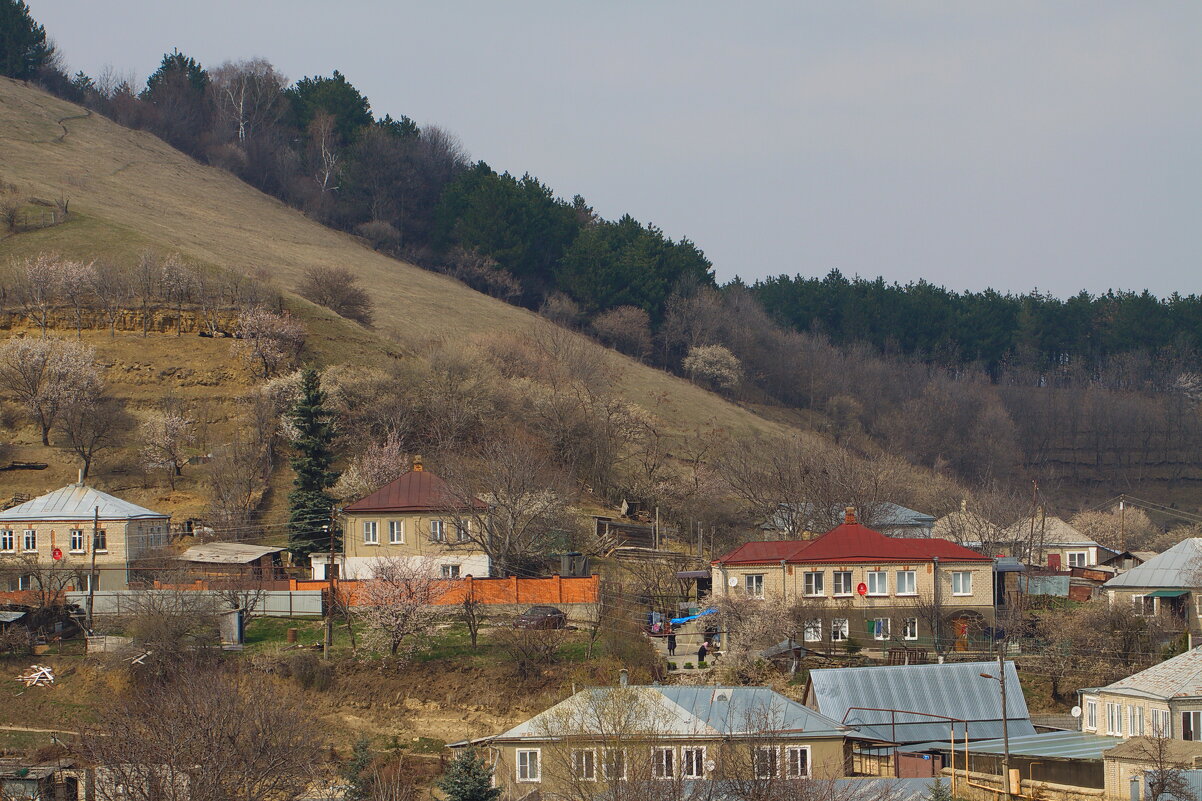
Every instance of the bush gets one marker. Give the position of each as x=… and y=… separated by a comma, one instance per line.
x=853, y=646
x=671, y=666
x=310, y=672
x=703, y=665
x=688, y=665
x=337, y=289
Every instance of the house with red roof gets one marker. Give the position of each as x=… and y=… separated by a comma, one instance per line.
x=417, y=516
x=855, y=584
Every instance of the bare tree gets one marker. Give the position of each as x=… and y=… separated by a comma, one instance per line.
x=267, y=341
x=46, y=375
x=45, y=585
x=237, y=477
x=113, y=292
x=1165, y=778
x=166, y=435
x=324, y=152
x=93, y=422
x=78, y=280
x=471, y=612
x=397, y=604
x=627, y=328
x=248, y=95
x=337, y=289
x=178, y=282
x=172, y=620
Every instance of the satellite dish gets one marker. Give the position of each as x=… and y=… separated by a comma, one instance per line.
x=733, y=581
x=710, y=765
x=1075, y=711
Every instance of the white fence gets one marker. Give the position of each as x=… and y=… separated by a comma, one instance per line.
x=270, y=603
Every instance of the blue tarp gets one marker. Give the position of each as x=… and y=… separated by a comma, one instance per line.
x=676, y=621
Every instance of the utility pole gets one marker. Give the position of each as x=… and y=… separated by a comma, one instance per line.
x=1123, y=522
x=1001, y=678
x=92, y=574
x=1034, y=508
x=327, y=642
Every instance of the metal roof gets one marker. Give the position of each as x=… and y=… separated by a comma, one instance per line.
x=924, y=697
x=1179, y=677
x=9, y=616
x=226, y=553
x=76, y=502
x=1047, y=745
x=1051, y=532
x=1176, y=567
x=678, y=711
x=419, y=490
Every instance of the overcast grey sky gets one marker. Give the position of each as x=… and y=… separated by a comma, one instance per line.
x=1009, y=144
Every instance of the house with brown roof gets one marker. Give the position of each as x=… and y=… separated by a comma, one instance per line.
x=860, y=585
x=417, y=516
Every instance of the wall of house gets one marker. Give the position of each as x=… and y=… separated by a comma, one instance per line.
x=1191, y=604
x=1141, y=708
x=415, y=529
x=124, y=540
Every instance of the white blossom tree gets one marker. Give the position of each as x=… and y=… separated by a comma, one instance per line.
x=166, y=436
x=713, y=364
x=47, y=375
x=76, y=281
x=397, y=604
x=373, y=467
x=268, y=342
x=41, y=283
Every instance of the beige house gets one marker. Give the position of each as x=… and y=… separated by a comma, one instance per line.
x=1164, y=700
x=642, y=739
x=417, y=516
x=63, y=530
x=1168, y=585
x=878, y=591
x=1052, y=542
x=1139, y=755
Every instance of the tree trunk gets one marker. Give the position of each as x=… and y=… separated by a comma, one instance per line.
x=45, y=434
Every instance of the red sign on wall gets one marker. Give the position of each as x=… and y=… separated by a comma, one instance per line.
x=862, y=588
x=57, y=553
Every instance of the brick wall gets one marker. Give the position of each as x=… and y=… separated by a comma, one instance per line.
x=512, y=591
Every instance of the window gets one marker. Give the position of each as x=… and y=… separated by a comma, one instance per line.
x=692, y=763
x=797, y=762
x=450, y=571
x=614, y=765
x=1161, y=724
x=1078, y=558
x=842, y=582
x=396, y=532
x=755, y=585
x=839, y=629
x=813, y=584
x=1136, y=724
x=878, y=583
x=371, y=535
x=765, y=762
x=813, y=630
x=528, y=766
x=20, y=583
x=1091, y=714
x=910, y=628
x=100, y=542
x=906, y=583
x=7, y=540
x=30, y=541
x=438, y=531
x=962, y=583
x=77, y=540
x=1191, y=725
x=463, y=532
x=1144, y=605
x=584, y=764
x=879, y=627
x=662, y=763
x=1114, y=719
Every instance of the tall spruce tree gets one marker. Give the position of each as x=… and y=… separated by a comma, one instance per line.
x=23, y=46
x=310, y=506
x=468, y=779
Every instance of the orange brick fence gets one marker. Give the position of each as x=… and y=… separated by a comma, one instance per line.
x=511, y=591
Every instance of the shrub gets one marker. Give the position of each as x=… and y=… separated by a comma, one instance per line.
x=688, y=665
x=337, y=289
x=310, y=672
x=671, y=666
x=703, y=665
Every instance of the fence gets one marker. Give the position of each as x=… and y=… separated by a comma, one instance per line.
x=511, y=591
x=270, y=603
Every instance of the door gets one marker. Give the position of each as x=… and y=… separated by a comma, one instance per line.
x=1054, y=561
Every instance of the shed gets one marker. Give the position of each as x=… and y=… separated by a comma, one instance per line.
x=234, y=558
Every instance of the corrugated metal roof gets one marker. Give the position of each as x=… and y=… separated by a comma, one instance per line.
x=226, y=553
x=762, y=552
x=924, y=697
x=1176, y=567
x=1051, y=531
x=847, y=543
x=75, y=502
x=680, y=711
x=1179, y=677
x=1048, y=745
x=415, y=491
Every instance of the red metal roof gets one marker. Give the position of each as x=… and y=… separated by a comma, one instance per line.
x=415, y=491
x=847, y=543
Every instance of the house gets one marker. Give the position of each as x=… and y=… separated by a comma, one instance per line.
x=1163, y=700
x=800, y=521
x=1052, y=542
x=636, y=734
x=234, y=560
x=869, y=589
x=417, y=516
x=1126, y=560
x=1167, y=584
x=970, y=530
x=1134, y=758
x=57, y=529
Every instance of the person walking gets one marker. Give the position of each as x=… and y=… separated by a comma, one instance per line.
x=671, y=643
x=701, y=652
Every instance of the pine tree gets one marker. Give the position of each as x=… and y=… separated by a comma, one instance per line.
x=468, y=779
x=23, y=46
x=939, y=791
x=310, y=506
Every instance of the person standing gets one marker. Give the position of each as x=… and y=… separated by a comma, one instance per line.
x=671, y=643
x=701, y=652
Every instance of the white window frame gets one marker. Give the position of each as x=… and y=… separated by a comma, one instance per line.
x=1114, y=719
x=1142, y=607
x=660, y=768
x=29, y=540
x=1195, y=724
x=685, y=767
x=753, y=584
x=100, y=541
x=1162, y=723
x=520, y=768
x=812, y=583
x=607, y=765
x=1137, y=721
x=371, y=532
x=880, y=628
x=812, y=630
x=1081, y=556
x=463, y=531
x=790, y=752
x=755, y=761
x=449, y=571
x=8, y=540
x=843, y=577
x=877, y=577
x=840, y=629
x=438, y=531
x=580, y=756
x=904, y=578
x=79, y=541
x=909, y=628
x=958, y=578
x=396, y=532
x=1091, y=715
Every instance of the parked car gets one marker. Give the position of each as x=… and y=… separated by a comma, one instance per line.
x=541, y=617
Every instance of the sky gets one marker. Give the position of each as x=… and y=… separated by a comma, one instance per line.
x=1013, y=144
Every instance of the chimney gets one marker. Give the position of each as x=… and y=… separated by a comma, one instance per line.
x=417, y=463
x=79, y=483
x=624, y=677
x=963, y=505
x=849, y=515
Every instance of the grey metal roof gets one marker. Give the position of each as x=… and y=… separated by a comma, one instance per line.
x=1051, y=745
x=7, y=616
x=677, y=710
x=924, y=698
x=884, y=515
x=1052, y=532
x=226, y=553
x=76, y=502
x=1178, y=567
x=1179, y=677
